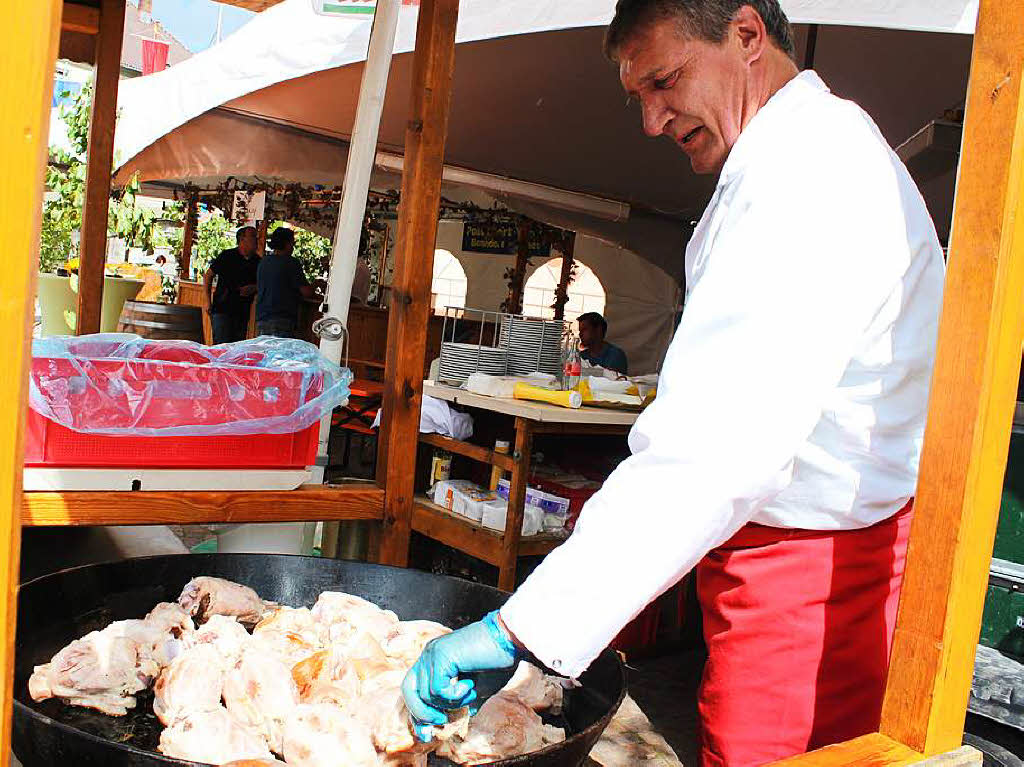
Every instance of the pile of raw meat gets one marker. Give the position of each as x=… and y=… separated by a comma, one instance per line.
x=316, y=687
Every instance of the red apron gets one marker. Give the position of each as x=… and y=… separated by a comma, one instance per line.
x=798, y=625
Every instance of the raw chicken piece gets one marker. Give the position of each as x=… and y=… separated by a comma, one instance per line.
x=367, y=658
x=326, y=677
x=392, y=678
x=346, y=615
x=407, y=639
x=254, y=763
x=503, y=727
x=102, y=670
x=536, y=689
x=322, y=735
x=385, y=715
x=213, y=737
x=159, y=641
x=225, y=634
x=191, y=684
x=172, y=618
x=290, y=634
x=259, y=692
x=205, y=596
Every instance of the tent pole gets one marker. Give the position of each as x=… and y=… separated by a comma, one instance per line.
x=100, y=162
x=971, y=408
x=188, y=236
x=515, y=296
x=356, y=187
x=568, y=247
x=26, y=89
x=431, y=93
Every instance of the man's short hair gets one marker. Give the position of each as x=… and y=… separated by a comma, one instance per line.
x=280, y=238
x=241, y=231
x=595, y=320
x=700, y=19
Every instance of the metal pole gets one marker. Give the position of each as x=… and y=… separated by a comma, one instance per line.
x=356, y=186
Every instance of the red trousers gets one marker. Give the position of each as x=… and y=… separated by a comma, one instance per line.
x=798, y=625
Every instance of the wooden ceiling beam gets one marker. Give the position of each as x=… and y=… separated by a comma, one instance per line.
x=80, y=18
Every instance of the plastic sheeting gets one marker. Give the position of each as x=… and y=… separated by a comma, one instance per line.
x=121, y=384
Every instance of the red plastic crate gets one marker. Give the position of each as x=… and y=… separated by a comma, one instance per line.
x=48, y=444
x=182, y=390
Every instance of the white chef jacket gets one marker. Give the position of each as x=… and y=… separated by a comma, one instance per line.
x=795, y=389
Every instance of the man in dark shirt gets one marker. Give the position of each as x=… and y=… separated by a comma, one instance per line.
x=282, y=284
x=594, y=349
x=229, y=304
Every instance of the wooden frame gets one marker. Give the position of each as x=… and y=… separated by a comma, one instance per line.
x=969, y=416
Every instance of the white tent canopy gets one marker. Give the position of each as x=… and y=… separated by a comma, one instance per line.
x=534, y=99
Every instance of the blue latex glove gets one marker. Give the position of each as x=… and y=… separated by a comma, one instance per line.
x=433, y=685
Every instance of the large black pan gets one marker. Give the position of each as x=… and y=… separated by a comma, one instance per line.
x=58, y=608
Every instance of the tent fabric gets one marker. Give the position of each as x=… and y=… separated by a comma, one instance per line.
x=534, y=99
x=289, y=41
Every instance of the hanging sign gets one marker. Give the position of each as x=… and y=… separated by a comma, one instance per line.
x=249, y=207
x=501, y=238
x=350, y=7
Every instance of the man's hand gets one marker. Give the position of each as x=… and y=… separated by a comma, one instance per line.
x=247, y=290
x=433, y=685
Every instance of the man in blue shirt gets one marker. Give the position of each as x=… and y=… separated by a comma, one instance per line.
x=594, y=349
x=281, y=285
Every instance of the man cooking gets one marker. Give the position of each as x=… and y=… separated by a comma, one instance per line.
x=781, y=455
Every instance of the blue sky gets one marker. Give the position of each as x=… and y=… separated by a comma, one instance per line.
x=194, y=22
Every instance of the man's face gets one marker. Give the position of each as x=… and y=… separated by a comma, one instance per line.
x=689, y=90
x=588, y=335
x=247, y=243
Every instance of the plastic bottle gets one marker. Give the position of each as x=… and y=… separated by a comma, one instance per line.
x=573, y=367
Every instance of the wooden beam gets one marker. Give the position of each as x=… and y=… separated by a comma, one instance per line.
x=516, y=507
x=26, y=89
x=348, y=502
x=515, y=294
x=80, y=18
x=969, y=417
x=875, y=750
x=568, y=248
x=474, y=452
x=188, y=235
x=100, y=163
x=433, y=64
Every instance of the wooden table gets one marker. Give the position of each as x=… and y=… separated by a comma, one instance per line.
x=531, y=418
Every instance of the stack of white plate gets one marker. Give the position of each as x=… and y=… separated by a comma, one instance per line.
x=458, y=361
x=533, y=345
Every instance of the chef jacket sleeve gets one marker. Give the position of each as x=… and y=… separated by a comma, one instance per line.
x=801, y=260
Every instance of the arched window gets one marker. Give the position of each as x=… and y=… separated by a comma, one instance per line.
x=449, y=284
x=586, y=294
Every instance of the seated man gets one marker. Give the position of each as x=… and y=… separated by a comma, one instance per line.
x=594, y=349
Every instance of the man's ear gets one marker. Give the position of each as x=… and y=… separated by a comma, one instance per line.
x=748, y=33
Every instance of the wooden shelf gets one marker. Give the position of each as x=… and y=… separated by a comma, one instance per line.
x=877, y=750
x=338, y=502
x=471, y=537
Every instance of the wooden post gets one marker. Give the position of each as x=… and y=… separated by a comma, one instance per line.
x=261, y=236
x=433, y=64
x=100, y=162
x=516, y=505
x=26, y=89
x=188, y=236
x=515, y=295
x=972, y=403
x=568, y=246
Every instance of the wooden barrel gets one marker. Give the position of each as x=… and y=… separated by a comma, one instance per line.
x=153, y=320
